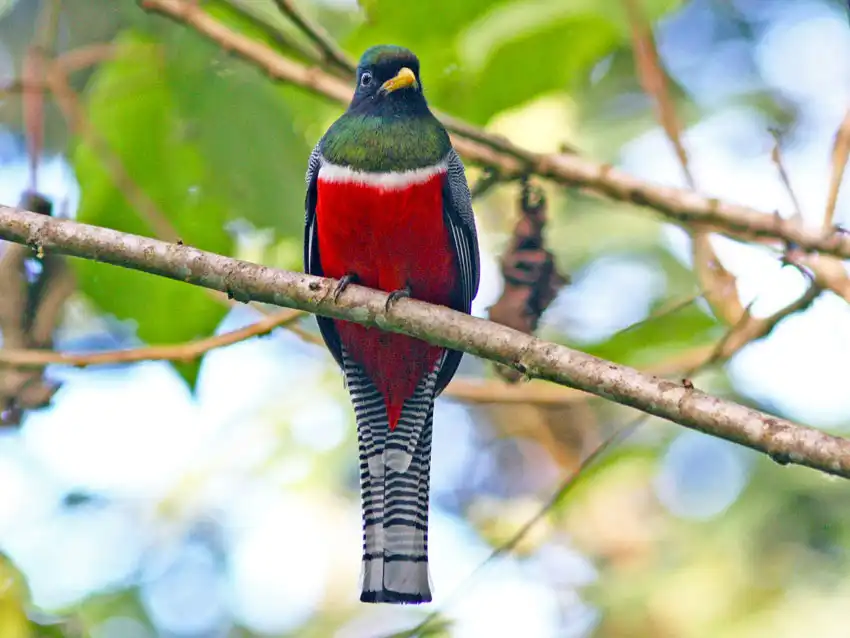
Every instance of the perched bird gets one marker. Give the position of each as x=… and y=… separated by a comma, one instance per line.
x=388, y=207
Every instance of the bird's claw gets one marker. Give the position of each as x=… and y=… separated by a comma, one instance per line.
x=342, y=284
x=395, y=295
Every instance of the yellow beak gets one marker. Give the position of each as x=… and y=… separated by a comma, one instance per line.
x=402, y=80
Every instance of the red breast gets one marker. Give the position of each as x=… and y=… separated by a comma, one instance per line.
x=389, y=230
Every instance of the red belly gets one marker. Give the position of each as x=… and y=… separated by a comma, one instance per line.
x=389, y=239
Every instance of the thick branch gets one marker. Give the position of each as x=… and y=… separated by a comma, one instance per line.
x=781, y=439
x=680, y=206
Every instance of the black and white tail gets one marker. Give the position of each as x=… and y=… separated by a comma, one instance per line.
x=394, y=482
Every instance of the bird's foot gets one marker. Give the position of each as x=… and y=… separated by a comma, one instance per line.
x=343, y=283
x=395, y=295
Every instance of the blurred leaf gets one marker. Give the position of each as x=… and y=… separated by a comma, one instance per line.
x=480, y=57
x=719, y=285
x=132, y=108
x=658, y=338
x=523, y=67
x=243, y=127
x=13, y=598
x=120, y=604
x=6, y=6
x=614, y=110
x=82, y=22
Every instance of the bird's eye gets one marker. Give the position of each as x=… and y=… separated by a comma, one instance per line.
x=366, y=79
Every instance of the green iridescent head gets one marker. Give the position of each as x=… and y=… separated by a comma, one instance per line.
x=388, y=125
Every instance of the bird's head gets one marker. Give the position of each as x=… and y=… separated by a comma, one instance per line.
x=388, y=79
x=388, y=125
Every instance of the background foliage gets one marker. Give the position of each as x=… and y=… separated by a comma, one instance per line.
x=220, y=498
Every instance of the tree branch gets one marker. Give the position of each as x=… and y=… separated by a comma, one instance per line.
x=178, y=352
x=680, y=206
x=784, y=441
x=330, y=51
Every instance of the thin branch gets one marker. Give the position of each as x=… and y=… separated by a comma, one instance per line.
x=32, y=72
x=654, y=83
x=776, y=158
x=840, y=151
x=484, y=392
x=677, y=205
x=719, y=285
x=783, y=440
x=331, y=53
x=276, y=35
x=751, y=329
x=84, y=57
x=827, y=271
x=179, y=352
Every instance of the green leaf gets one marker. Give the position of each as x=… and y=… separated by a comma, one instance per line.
x=660, y=337
x=133, y=110
x=14, y=596
x=523, y=67
x=481, y=57
x=243, y=128
x=429, y=29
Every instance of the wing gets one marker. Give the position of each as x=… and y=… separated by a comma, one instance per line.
x=312, y=262
x=460, y=220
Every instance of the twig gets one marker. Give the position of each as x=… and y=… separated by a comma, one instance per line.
x=677, y=205
x=484, y=392
x=276, y=35
x=84, y=57
x=840, y=151
x=180, y=352
x=783, y=440
x=751, y=329
x=776, y=157
x=718, y=284
x=331, y=53
x=827, y=271
x=654, y=83
x=32, y=72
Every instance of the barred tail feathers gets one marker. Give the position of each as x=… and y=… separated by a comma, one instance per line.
x=395, y=481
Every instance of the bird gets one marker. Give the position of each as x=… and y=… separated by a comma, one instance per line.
x=388, y=207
